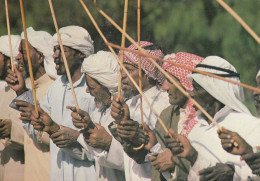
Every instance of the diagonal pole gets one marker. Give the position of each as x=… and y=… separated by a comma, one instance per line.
x=9, y=35
x=63, y=55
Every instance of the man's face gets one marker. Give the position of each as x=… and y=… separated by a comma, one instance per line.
x=201, y=96
x=128, y=87
x=35, y=56
x=175, y=96
x=257, y=97
x=101, y=93
x=74, y=59
x=5, y=64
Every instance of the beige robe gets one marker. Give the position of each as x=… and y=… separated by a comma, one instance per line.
x=37, y=155
x=11, y=149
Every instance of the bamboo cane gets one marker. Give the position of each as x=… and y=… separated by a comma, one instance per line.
x=9, y=35
x=63, y=55
x=123, y=67
x=122, y=45
x=139, y=66
x=188, y=68
x=239, y=20
x=28, y=58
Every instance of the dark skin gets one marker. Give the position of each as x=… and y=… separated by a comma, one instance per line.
x=257, y=96
x=220, y=172
x=244, y=149
x=5, y=128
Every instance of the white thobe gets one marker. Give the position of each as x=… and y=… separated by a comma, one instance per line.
x=204, y=138
x=159, y=100
x=105, y=170
x=68, y=164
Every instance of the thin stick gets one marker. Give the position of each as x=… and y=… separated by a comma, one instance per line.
x=29, y=59
x=139, y=67
x=123, y=67
x=188, y=68
x=9, y=35
x=239, y=20
x=63, y=55
x=122, y=45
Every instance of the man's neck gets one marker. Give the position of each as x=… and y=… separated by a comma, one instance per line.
x=76, y=75
x=40, y=72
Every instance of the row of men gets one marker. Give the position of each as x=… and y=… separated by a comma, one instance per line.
x=109, y=137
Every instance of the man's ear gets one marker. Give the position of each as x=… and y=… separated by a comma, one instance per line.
x=81, y=55
x=41, y=59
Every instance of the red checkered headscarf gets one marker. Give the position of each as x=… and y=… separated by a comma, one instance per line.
x=181, y=74
x=146, y=65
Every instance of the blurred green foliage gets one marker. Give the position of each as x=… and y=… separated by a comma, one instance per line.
x=201, y=27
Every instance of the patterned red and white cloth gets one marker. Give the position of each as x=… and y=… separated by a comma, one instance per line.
x=187, y=120
x=146, y=65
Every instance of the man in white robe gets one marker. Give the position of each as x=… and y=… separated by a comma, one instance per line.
x=223, y=101
x=128, y=115
x=102, y=73
x=68, y=162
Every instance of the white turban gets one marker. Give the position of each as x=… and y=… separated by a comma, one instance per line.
x=258, y=75
x=75, y=37
x=104, y=68
x=40, y=40
x=227, y=93
x=4, y=45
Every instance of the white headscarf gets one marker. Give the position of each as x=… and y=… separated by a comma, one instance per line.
x=40, y=40
x=227, y=93
x=258, y=75
x=75, y=37
x=4, y=45
x=104, y=68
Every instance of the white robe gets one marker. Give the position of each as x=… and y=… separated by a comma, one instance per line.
x=105, y=170
x=159, y=100
x=204, y=138
x=68, y=164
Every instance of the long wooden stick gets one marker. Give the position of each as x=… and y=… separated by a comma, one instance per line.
x=122, y=45
x=239, y=20
x=188, y=68
x=9, y=35
x=123, y=67
x=28, y=58
x=63, y=55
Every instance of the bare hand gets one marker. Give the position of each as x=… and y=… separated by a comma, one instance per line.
x=43, y=122
x=16, y=81
x=180, y=146
x=163, y=161
x=5, y=128
x=119, y=110
x=253, y=161
x=81, y=119
x=99, y=138
x=228, y=138
x=220, y=172
x=65, y=137
x=130, y=131
x=150, y=135
x=26, y=110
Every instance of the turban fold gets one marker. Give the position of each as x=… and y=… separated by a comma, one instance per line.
x=4, y=45
x=75, y=37
x=146, y=65
x=104, y=68
x=182, y=58
x=258, y=75
x=40, y=40
x=227, y=93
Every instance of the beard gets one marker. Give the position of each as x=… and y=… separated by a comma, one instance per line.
x=100, y=105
